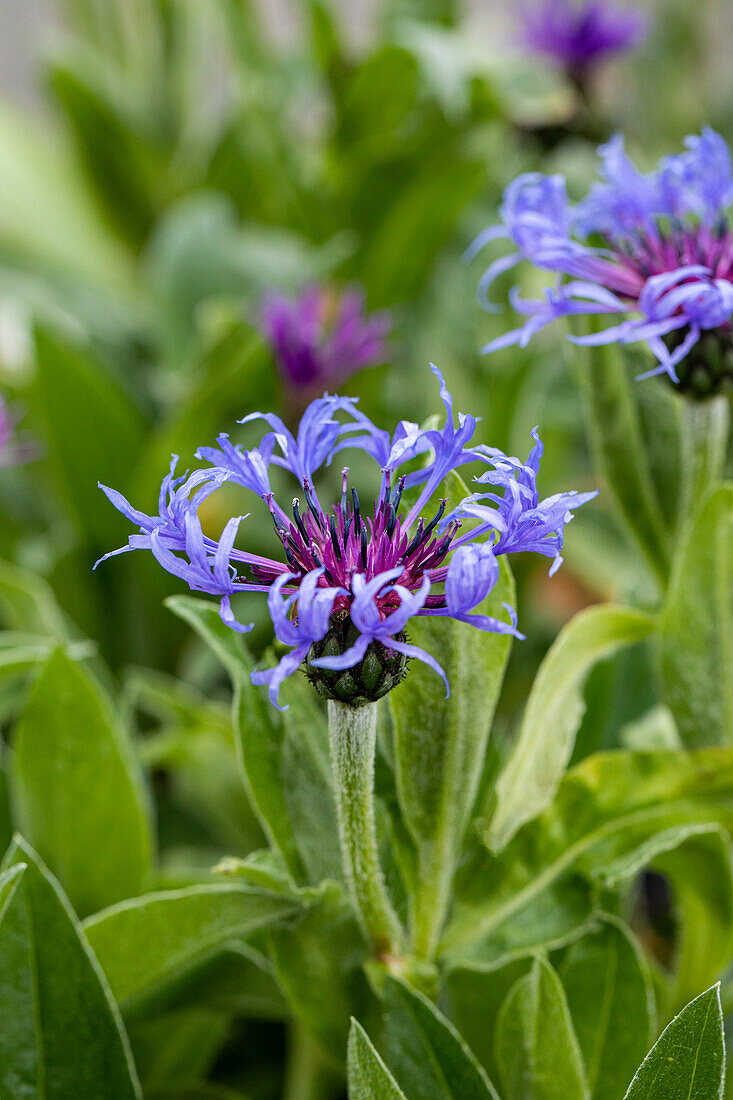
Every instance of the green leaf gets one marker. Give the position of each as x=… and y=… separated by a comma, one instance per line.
x=73, y=780
x=368, y=1075
x=535, y=1045
x=307, y=781
x=257, y=730
x=284, y=760
x=440, y=746
x=93, y=430
x=611, y=816
x=475, y=997
x=319, y=967
x=611, y=1002
x=425, y=1052
x=28, y=603
x=696, y=628
x=621, y=456
x=687, y=1062
x=121, y=165
x=62, y=1034
x=554, y=712
x=145, y=943
x=700, y=871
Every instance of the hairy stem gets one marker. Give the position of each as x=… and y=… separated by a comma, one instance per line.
x=353, y=736
x=704, y=444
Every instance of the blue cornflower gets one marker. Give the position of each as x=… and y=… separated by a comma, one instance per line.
x=350, y=581
x=577, y=35
x=321, y=337
x=655, y=249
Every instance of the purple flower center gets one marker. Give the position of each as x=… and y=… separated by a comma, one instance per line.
x=347, y=542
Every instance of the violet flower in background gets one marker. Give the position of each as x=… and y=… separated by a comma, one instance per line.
x=577, y=34
x=655, y=250
x=320, y=338
x=348, y=579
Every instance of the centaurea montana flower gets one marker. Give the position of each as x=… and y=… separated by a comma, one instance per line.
x=577, y=34
x=321, y=338
x=350, y=580
x=656, y=249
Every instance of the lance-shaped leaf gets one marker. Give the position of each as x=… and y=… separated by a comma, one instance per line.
x=616, y=433
x=687, y=1062
x=611, y=1001
x=74, y=780
x=425, y=1052
x=612, y=815
x=61, y=1032
x=146, y=943
x=368, y=1076
x=258, y=730
x=440, y=745
x=553, y=714
x=696, y=628
x=535, y=1045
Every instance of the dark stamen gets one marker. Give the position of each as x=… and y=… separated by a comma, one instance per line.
x=364, y=547
x=435, y=520
x=291, y=560
x=391, y=521
x=397, y=495
x=347, y=528
x=312, y=506
x=314, y=554
x=357, y=513
x=417, y=539
x=299, y=522
x=344, y=502
x=334, y=537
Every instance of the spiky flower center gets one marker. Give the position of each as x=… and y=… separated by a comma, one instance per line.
x=347, y=542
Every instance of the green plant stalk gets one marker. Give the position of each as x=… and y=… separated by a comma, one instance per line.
x=705, y=426
x=353, y=738
x=618, y=447
x=308, y=1076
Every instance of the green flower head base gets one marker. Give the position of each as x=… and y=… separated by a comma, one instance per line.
x=349, y=581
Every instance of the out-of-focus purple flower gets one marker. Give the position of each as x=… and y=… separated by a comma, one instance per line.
x=351, y=580
x=320, y=338
x=578, y=33
x=655, y=249
x=14, y=450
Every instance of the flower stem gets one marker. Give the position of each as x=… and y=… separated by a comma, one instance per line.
x=307, y=1074
x=353, y=736
x=704, y=443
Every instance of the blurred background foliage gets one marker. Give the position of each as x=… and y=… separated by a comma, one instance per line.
x=184, y=157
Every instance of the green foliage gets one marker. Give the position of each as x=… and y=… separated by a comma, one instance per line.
x=536, y=1048
x=621, y=455
x=73, y=780
x=696, y=630
x=148, y=941
x=425, y=1052
x=62, y=1034
x=440, y=746
x=607, y=980
x=553, y=714
x=368, y=1075
x=688, y=1060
